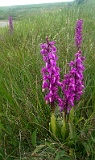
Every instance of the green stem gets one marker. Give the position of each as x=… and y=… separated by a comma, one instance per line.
x=52, y=107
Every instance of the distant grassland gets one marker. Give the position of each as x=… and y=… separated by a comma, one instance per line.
x=20, y=11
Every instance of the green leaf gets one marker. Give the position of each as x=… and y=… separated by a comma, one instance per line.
x=50, y=145
x=71, y=115
x=87, y=148
x=63, y=129
x=38, y=148
x=52, y=124
x=72, y=134
x=71, y=152
x=62, y=154
x=33, y=137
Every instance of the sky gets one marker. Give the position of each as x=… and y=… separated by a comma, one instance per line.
x=23, y=2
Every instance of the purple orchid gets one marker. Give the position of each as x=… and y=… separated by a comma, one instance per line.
x=78, y=33
x=72, y=85
x=51, y=72
x=10, y=23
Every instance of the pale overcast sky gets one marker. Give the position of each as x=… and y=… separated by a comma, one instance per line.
x=21, y=2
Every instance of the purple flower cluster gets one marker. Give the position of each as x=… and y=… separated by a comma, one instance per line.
x=78, y=33
x=72, y=85
x=51, y=73
x=10, y=23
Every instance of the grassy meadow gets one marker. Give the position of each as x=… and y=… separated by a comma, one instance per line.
x=24, y=115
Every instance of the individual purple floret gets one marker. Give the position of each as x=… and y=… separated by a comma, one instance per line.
x=51, y=72
x=72, y=84
x=10, y=23
x=78, y=33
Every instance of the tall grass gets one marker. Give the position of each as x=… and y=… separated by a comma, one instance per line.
x=24, y=116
